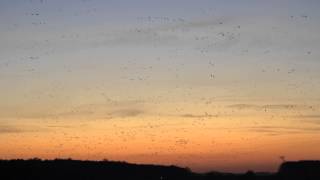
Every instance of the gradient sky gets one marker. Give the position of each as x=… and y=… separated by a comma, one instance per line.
x=223, y=85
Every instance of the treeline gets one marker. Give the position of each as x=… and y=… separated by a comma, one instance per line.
x=68, y=169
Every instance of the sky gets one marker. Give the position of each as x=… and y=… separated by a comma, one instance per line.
x=211, y=85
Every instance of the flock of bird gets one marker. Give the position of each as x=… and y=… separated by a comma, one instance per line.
x=156, y=31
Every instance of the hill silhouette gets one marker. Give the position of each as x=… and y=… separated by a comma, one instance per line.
x=300, y=170
x=67, y=169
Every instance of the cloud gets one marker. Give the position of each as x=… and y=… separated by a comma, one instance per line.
x=269, y=106
x=60, y=126
x=9, y=129
x=243, y=106
x=111, y=109
x=170, y=33
x=280, y=130
x=4, y=129
x=285, y=106
x=315, y=116
x=201, y=23
x=101, y=112
x=206, y=115
x=126, y=113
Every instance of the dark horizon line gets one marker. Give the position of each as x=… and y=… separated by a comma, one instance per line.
x=105, y=160
x=38, y=169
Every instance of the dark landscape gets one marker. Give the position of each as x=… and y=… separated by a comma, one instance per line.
x=95, y=170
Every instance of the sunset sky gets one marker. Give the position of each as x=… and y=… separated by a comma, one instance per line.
x=224, y=85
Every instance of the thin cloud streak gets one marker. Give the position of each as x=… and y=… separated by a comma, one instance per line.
x=6, y=129
x=269, y=106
